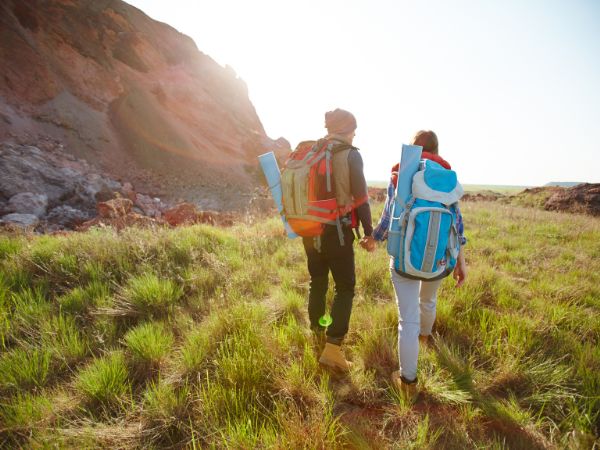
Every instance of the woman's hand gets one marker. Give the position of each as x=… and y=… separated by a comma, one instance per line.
x=460, y=270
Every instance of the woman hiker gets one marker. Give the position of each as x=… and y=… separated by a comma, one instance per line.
x=416, y=299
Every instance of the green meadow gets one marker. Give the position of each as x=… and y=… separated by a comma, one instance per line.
x=197, y=337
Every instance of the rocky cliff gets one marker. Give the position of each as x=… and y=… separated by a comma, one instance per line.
x=131, y=96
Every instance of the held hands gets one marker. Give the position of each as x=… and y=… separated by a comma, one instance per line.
x=368, y=243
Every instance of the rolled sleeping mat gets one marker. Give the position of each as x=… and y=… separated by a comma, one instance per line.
x=270, y=168
x=409, y=165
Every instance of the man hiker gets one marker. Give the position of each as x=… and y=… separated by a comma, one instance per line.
x=333, y=250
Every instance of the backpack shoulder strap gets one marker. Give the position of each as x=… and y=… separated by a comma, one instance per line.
x=341, y=147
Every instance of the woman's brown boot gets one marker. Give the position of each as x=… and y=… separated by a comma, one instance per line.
x=410, y=391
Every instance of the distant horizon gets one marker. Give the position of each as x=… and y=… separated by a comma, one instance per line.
x=474, y=184
x=510, y=88
x=501, y=185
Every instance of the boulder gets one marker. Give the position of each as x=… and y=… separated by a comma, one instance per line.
x=151, y=207
x=29, y=203
x=583, y=198
x=182, y=214
x=118, y=207
x=65, y=216
x=101, y=189
x=27, y=169
x=20, y=220
x=128, y=191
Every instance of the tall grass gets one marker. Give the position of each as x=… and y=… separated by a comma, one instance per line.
x=198, y=337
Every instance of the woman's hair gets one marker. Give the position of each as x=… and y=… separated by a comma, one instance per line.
x=426, y=139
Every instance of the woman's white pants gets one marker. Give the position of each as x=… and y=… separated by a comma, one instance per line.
x=416, y=313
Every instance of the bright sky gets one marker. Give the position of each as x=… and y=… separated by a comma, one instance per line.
x=512, y=88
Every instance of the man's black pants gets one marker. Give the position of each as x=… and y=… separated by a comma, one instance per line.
x=340, y=260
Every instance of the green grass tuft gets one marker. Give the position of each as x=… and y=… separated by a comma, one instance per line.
x=25, y=410
x=148, y=343
x=150, y=295
x=9, y=246
x=62, y=335
x=105, y=380
x=24, y=368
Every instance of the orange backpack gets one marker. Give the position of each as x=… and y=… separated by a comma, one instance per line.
x=309, y=199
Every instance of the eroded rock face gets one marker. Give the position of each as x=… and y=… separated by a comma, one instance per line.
x=130, y=95
x=583, y=198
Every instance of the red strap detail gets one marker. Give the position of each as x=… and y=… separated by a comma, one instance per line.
x=437, y=158
x=351, y=209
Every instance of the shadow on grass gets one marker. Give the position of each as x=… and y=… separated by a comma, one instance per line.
x=496, y=420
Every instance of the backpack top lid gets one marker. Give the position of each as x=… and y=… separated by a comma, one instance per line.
x=436, y=184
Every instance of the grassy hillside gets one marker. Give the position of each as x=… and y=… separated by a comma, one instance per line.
x=197, y=337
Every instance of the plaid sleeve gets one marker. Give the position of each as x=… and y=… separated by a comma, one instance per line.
x=381, y=230
x=460, y=227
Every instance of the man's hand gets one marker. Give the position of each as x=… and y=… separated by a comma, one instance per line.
x=460, y=271
x=368, y=243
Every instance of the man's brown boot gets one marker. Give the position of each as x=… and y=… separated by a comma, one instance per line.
x=424, y=339
x=409, y=391
x=333, y=357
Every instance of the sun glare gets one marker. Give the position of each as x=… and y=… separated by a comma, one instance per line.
x=500, y=85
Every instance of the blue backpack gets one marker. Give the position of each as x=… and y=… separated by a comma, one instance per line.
x=423, y=235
